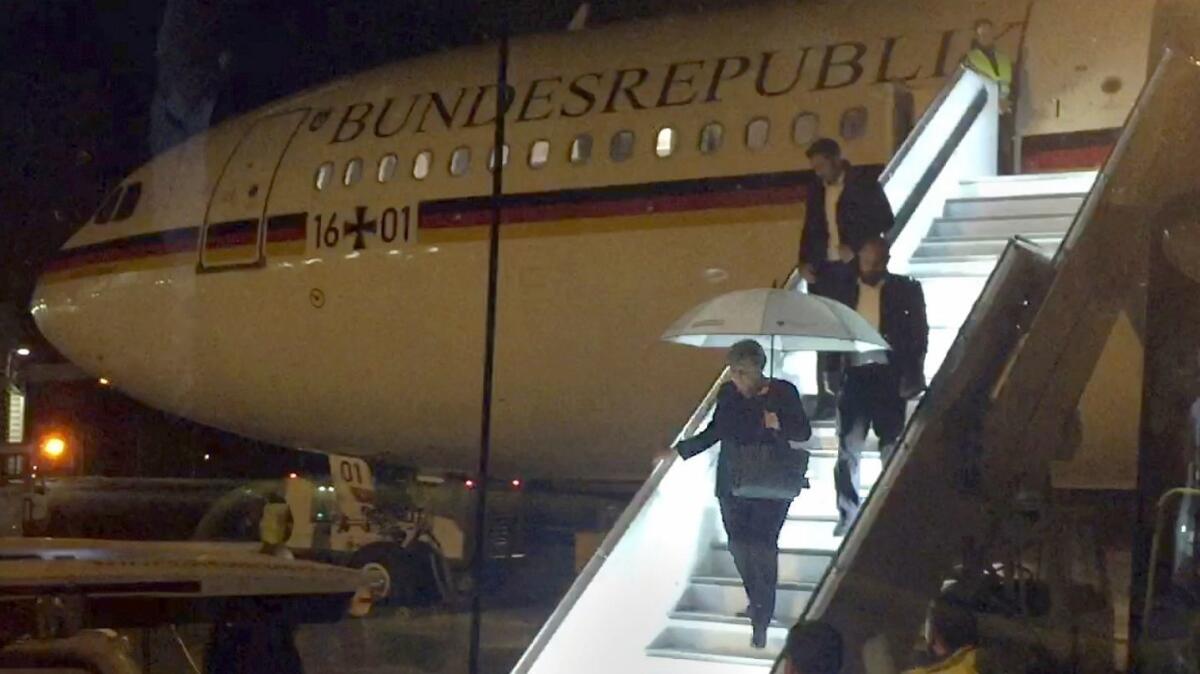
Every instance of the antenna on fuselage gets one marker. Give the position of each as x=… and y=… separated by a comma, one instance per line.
x=579, y=20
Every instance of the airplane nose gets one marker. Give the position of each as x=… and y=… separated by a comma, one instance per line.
x=123, y=308
x=81, y=306
x=54, y=305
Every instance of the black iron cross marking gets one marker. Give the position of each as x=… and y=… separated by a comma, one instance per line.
x=360, y=225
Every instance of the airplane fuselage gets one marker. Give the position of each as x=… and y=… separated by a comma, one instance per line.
x=314, y=273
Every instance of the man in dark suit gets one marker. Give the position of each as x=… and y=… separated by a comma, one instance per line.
x=845, y=207
x=876, y=385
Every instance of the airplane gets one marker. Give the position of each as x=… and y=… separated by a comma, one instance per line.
x=313, y=273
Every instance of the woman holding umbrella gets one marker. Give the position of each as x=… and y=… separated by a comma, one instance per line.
x=758, y=471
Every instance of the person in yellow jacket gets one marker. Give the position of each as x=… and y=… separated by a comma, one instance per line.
x=952, y=636
x=987, y=60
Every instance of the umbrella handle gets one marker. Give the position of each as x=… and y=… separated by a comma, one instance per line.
x=771, y=371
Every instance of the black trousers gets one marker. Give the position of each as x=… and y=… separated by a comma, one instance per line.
x=870, y=398
x=753, y=527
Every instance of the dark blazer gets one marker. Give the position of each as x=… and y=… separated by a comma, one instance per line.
x=738, y=420
x=863, y=212
x=902, y=322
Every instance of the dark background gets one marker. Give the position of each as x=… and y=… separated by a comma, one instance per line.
x=76, y=86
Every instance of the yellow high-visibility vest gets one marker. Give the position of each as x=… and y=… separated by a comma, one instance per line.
x=962, y=662
x=978, y=61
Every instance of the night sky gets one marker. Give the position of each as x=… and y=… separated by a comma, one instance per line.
x=77, y=83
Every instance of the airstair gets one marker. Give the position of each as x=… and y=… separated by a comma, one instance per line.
x=662, y=594
x=960, y=249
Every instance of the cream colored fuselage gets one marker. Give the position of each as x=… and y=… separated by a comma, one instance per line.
x=242, y=292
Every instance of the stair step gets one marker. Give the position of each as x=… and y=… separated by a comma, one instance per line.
x=804, y=532
x=964, y=266
x=715, y=642
x=744, y=623
x=932, y=249
x=1039, y=176
x=1029, y=183
x=819, y=501
x=725, y=596
x=795, y=565
x=821, y=463
x=721, y=662
x=1037, y=205
x=1006, y=227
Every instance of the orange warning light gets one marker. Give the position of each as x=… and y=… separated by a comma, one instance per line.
x=54, y=447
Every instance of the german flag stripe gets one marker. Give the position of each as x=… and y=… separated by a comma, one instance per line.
x=621, y=200
x=561, y=211
x=154, y=244
x=287, y=227
x=283, y=228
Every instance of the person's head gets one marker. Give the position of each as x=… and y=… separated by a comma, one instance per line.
x=985, y=33
x=826, y=158
x=746, y=361
x=873, y=259
x=813, y=647
x=949, y=627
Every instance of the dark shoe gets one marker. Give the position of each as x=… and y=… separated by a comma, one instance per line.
x=759, y=638
x=841, y=529
x=745, y=613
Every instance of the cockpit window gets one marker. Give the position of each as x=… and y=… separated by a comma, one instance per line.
x=105, y=212
x=129, y=201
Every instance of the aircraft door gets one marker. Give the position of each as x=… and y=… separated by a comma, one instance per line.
x=234, y=223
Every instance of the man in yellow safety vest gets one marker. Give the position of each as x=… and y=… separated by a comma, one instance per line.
x=985, y=59
x=952, y=637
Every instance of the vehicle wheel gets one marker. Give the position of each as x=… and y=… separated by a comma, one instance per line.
x=410, y=580
x=387, y=561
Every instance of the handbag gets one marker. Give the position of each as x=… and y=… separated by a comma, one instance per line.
x=769, y=471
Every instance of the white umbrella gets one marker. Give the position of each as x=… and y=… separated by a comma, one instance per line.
x=783, y=320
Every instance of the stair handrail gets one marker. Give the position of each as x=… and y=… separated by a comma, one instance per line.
x=631, y=512
x=910, y=176
x=911, y=139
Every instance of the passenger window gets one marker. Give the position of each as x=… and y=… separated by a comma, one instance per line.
x=353, y=172
x=460, y=161
x=757, y=132
x=421, y=164
x=581, y=149
x=105, y=212
x=804, y=129
x=664, y=144
x=853, y=124
x=492, y=158
x=324, y=175
x=621, y=147
x=710, y=138
x=539, y=153
x=387, y=167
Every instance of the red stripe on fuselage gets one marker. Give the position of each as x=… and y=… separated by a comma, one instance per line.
x=516, y=214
